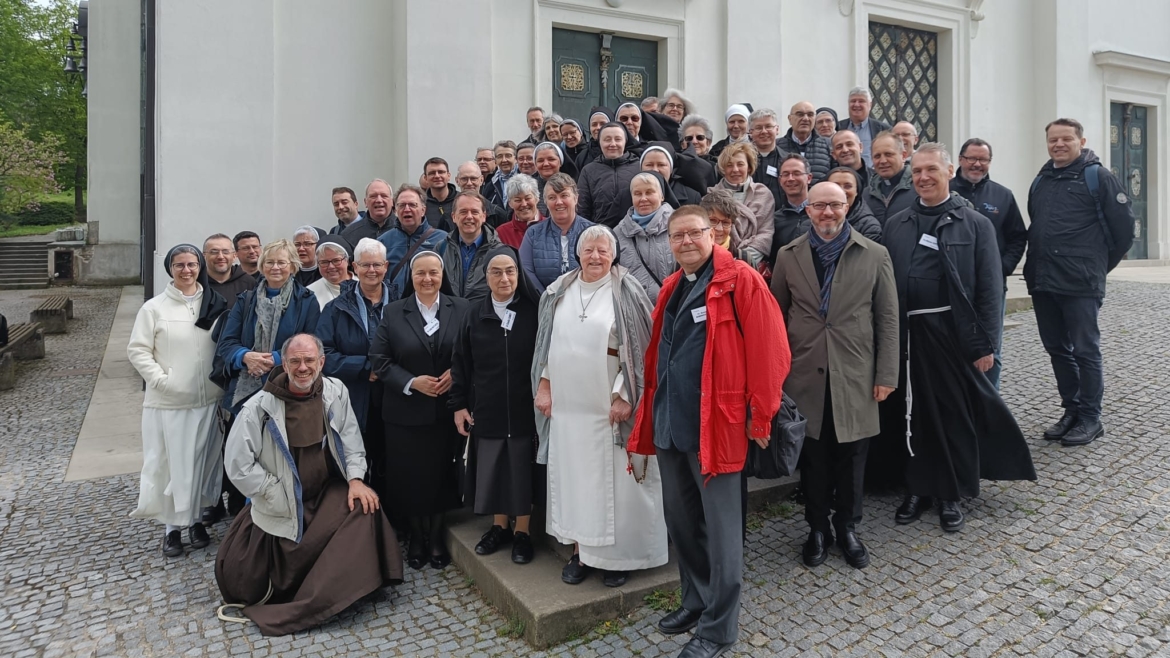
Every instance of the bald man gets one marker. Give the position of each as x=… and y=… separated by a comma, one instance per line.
x=469, y=178
x=802, y=139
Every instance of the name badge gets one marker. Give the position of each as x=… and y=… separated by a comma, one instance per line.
x=929, y=241
x=431, y=327
x=772, y=172
x=509, y=318
x=700, y=314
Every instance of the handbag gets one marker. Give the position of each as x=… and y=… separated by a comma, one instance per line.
x=781, y=456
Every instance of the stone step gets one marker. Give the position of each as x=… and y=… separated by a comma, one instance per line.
x=532, y=595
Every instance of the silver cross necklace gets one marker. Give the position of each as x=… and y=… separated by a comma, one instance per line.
x=584, y=304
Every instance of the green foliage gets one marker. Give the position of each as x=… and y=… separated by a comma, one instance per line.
x=664, y=601
x=513, y=628
x=36, y=96
x=52, y=213
x=10, y=229
x=26, y=168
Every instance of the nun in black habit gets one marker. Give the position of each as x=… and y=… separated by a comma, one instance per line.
x=491, y=396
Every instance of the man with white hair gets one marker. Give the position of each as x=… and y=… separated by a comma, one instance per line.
x=378, y=218
x=469, y=178
x=764, y=127
x=736, y=121
x=305, y=239
x=859, y=121
x=909, y=136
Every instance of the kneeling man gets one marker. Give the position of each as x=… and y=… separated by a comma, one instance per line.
x=314, y=538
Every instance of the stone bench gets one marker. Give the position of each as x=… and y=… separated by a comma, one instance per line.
x=25, y=341
x=53, y=314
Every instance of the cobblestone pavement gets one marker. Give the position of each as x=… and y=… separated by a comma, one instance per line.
x=1075, y=564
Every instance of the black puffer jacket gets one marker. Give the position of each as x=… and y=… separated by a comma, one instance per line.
x=862, y=220
x=1069, y=251
x=818, y=151
x=603, y=195
x=767, y=173
x=970, y=263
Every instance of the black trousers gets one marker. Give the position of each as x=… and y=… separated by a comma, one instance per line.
x=235, y=499
x=832, y=475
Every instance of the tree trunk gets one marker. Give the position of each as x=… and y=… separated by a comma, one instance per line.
x=79, y=192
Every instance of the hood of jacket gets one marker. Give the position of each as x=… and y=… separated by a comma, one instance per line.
x=1086, y=157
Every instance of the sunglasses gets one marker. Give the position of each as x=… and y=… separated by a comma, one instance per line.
x=694, y=138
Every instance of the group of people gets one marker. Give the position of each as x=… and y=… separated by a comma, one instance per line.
x=598, y=320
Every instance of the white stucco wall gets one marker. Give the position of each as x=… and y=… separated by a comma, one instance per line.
x=264, y=106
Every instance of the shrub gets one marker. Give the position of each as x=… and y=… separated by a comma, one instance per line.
x=49, y=213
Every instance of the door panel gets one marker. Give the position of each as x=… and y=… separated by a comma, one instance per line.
x=582, y=78
x=903, y=77
x=1128, y=139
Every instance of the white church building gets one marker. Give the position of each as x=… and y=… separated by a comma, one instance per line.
x=210, y=116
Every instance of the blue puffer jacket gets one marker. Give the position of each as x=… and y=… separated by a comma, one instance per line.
x=347, y=346
x=540, y=253
x=398, y=243
x=238, y=333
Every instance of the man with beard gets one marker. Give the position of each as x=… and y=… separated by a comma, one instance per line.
x=950, y=282
x=844, y=342
x=247, y=246
x=225, y=278
x=535, y=119
x=379, y=203
x=997, y=203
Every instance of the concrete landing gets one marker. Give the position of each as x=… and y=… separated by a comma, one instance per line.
x=110, y=442
x=532, y=595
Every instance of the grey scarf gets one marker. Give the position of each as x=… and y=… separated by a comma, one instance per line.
x=269, y=310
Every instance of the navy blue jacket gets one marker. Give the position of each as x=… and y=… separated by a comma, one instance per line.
x=997, y=203
x=239, y=332
x=1068, y=249
x=347, y=347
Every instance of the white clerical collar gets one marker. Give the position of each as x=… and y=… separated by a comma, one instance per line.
x=692, y=277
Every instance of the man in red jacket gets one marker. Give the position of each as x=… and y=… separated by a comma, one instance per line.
x=716, y=323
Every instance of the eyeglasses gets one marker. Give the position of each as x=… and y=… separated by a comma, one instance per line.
x=295, y=363
x=277, y=264
x=185, y=266
x=300, y=245
x=408, y=206
x=694, y=138
x=674, y=106
x=820, y=205
x=218, y=252
x=694, y=234
x=333, y=262
x=792, y=174
x=982, y=161
x=467, y=180
x=719, y=222
x=497, y=273
x=770, y=127
x=370, y=266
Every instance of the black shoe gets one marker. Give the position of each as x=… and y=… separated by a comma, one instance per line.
x=521, y=548
x=173, y=544
x=816, y=548
x=198, y=535
x=574, y=572
x=1056, y=432
x=212, y=515
x=950, y=516
x=1083, y=433
x=492, y=539
x=700, y=648
x=416, y=554
x=911, y=509
x=614, y=578
x=679, y=621
x=855, y=554
x=441, y=560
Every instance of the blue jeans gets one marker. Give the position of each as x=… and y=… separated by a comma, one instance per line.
x=993, y=374
x=1068, y=329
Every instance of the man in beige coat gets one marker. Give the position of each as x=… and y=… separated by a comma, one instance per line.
x=836, y=289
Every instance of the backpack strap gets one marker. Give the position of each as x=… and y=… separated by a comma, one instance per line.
x=1092, y=173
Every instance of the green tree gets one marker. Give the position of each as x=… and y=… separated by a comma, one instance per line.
x=26, y=168
x=36, y=95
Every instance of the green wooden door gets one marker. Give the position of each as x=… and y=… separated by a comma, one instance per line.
x=1128, y=139
x=595, y=69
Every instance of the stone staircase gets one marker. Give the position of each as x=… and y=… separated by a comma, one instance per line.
x=23, y=265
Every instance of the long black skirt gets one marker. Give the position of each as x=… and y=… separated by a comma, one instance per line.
x=499, y=475
x=422, y=468
x=962, y=431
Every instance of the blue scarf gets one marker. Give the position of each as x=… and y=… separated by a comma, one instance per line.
x=829, y=253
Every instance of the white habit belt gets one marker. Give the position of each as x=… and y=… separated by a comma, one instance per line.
x=909, y=390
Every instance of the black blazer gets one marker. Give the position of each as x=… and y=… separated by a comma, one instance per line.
x=402, y=350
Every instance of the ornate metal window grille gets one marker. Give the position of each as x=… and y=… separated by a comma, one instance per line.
x=903, y=77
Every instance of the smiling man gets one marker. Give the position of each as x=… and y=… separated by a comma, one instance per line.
x=950, y=284
x=847, y=153
x=468, y=245
x=860, y=122
x=1082, y=226
x=224, y=277
x=377, y=220
x=412, y=234
x=763, y=129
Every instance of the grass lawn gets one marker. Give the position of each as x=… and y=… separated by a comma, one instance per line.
x=15, y=231
x=64, y=197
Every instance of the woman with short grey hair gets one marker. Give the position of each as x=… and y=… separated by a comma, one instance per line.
x=522, y=195
x=675, y=105
x=695, y=131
